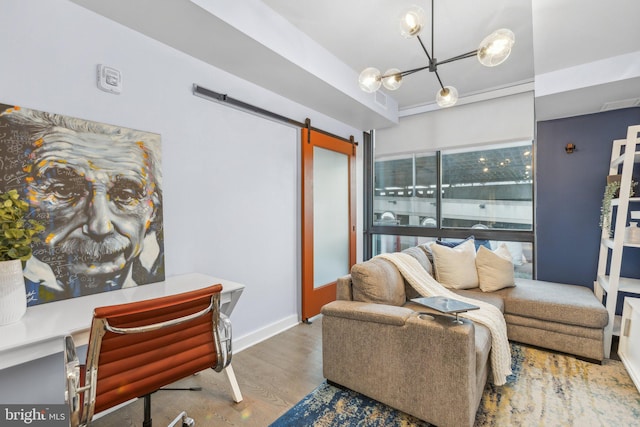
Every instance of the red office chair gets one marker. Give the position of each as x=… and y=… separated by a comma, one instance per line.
x=139, y=347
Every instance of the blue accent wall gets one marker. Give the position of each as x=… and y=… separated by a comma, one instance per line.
x=569, y=189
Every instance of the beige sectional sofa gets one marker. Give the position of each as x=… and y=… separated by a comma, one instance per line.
x=379, y=343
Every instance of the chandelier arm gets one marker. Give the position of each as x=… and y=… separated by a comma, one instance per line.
x=414, y=70
x=425, y=49
x=456, y=58
x=439, y=80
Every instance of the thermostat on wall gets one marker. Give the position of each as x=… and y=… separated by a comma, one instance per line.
x=109, y=79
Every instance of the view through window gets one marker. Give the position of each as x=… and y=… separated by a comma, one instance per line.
x=485, y=191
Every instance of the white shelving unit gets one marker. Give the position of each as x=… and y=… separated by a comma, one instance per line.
x=624, y=154
x=629, y=348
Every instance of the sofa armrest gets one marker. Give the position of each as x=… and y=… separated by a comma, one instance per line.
x=415, y=363
x=368, y=312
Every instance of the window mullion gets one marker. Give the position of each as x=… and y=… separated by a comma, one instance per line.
x=439, y=190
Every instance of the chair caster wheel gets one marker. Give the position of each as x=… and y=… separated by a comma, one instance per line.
x=187, y=421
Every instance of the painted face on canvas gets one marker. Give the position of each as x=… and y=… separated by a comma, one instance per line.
x=96, y=194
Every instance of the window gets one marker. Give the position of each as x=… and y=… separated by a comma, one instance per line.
x=484, y=191
x=385, y=243
x=405, y=191
x=488, y=188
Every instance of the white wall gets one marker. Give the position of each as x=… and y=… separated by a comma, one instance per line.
x=230, y=179
x=505, y=119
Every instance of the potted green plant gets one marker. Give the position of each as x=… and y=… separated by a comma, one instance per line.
x=611, y=192
x=17, y=232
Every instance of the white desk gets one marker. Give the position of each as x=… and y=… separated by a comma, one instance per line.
x=41, y=330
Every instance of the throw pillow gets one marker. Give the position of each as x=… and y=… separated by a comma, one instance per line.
x=453, y=243
x=495, y=269
x=426, y=248
x=421, y=257
x=482, y=243
x=456, y=267
x=516, y=251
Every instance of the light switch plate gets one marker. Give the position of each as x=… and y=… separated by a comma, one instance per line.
x=109, y=79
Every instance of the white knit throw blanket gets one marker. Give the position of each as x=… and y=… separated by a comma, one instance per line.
x=488, y=315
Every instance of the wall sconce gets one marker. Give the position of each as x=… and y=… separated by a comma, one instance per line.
x=570, y=148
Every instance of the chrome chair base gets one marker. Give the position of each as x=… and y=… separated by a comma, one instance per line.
x=186, y=421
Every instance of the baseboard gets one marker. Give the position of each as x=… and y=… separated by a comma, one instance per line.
x=262, y=334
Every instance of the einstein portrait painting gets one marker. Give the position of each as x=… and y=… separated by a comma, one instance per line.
x=97, y=189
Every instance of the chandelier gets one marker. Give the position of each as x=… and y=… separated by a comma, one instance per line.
x=493, y=50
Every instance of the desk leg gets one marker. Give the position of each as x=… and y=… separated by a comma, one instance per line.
x=235, y=389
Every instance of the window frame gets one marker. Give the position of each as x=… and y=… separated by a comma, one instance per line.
x=438, y=232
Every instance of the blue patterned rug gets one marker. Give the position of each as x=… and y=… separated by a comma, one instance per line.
x=546, y=389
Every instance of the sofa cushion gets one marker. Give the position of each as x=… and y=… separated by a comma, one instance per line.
x=542, y=326
x=344, y=290
x=377, y=281
x=476, y=293
x=421, y=256
x=456, y=267
x=555, y=302
x=426, y=248
x=495, y=269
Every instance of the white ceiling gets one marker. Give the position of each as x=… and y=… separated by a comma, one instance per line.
x=365, y=33
x=574, y=32
x=312, y=51
x=587, y=54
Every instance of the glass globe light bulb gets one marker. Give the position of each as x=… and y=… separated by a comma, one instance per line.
x=392, y=79
x=370, y=80
x=447, y=97
x=496, y=47
x=411, y=22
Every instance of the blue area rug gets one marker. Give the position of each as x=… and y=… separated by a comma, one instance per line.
x=546, y=389
x=331, y=406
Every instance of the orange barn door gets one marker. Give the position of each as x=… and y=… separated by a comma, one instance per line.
x=328, y=217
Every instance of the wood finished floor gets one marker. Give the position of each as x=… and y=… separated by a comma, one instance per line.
x=273, y=376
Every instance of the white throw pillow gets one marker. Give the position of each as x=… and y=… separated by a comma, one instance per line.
x=495, y=269
x=515, y=249
x=456, y=267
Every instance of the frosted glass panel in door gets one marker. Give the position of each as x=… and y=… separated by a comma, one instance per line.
x=330, y=216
